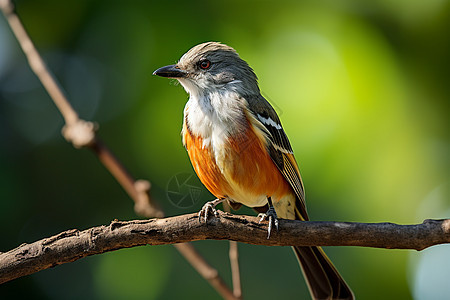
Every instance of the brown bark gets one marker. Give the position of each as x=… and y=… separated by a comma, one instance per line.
x=73, y=244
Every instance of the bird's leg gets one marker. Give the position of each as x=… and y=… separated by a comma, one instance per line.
x=210, y=206
x=271, y=214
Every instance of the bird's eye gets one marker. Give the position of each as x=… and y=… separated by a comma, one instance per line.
x=205, y=64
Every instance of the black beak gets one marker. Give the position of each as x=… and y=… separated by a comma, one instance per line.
x=171, y=71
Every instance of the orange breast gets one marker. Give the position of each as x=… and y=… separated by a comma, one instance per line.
x=204, y=164
x=253, y=169
x=244, y=171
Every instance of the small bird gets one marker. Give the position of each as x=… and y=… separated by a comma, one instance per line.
x=241, y=153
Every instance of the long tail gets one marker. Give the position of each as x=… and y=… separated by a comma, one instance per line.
x=324, y=281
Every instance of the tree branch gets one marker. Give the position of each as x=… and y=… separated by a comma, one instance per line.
x=79, y=132
x=233, y=254
x=82, y=133
x=205, y=270
x=73, y=244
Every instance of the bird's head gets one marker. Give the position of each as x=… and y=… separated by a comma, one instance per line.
x=210, y=67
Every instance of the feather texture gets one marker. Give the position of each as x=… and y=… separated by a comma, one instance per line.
x=239, y=149
x=266, y=119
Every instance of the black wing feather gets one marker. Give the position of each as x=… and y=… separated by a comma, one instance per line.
x=279, y=148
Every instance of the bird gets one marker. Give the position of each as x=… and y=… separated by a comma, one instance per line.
x=241, y=153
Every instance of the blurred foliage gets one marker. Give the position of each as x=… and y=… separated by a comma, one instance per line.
x=362, y=89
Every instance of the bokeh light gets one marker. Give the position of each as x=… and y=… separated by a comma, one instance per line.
x=362, y=92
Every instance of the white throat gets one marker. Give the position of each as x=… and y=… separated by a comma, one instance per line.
x=214, y=114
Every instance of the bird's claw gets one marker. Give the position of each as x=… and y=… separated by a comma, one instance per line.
x=209, y=207
x=271, y=216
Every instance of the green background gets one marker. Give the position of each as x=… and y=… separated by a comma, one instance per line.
x=362, y=89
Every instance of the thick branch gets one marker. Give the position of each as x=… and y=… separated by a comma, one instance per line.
x=73, y=244
x=83, y=134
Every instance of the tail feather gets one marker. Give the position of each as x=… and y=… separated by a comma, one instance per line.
x=324, y=281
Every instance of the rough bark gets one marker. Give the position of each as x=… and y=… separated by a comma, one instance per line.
x=73, y=244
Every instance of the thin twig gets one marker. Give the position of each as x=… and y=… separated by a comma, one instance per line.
x=71, y=245
x=79, y=132
x=83, y=134
x=204, y=269
x=234, y=261
x=37, y=64
x=137, y=189
x=236, y=275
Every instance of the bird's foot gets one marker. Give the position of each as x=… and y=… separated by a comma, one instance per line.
x=270, y=215
x=209, y=207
